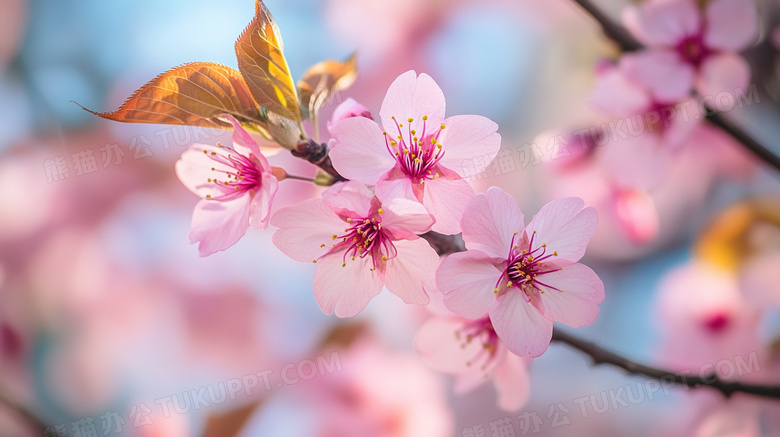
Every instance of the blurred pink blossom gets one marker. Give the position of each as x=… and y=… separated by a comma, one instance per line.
x=237, y=186
x=416, y=153
x=380, y=393
x=690, y=47
x=524, y=277
x=471, y=350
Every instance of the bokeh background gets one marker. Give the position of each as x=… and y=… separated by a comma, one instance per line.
x=106, y=308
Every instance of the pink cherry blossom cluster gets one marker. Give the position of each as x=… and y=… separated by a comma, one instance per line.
x=404, y=178
x=650, y=105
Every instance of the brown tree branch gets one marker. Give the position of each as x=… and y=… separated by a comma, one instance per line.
x=628, y=43
x=599, y=355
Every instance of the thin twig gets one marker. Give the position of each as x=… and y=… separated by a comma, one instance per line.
x=628, y=43
x=22, y=411
x=604, y=356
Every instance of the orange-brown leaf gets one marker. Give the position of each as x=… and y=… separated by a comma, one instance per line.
x=191, y=94
x=322, y=80
x=264, y=67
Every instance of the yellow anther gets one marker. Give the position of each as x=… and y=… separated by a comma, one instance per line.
x=425, y=117
x=414, y=132
x=384, y=258
x=322, y=245
x=495, y=290
x=555, y=253
x=393, y=143
x=410, y=120
x=349, y=220
x=208, y=196
x=509, y=284
x=544, y=244
x=384, y=133
x=380, y=210
x=343, y=264
x=315, y=261
x=335, y=236
x=442, y=126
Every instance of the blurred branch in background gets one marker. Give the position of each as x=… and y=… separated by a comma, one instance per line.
x=628, y=43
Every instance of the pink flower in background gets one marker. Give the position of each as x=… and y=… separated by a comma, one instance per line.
x=359, y=245
x=348, y=109
x=523, y=277
x=704, y=318
x=471, y=350
x=416, y=153
x=620, y=92
x=690, y=47
x=237, y=186
x=380, y=393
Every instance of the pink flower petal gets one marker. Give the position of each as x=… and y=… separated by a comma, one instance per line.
x=513, y=383
x=412, y=274
x=490, y=222
x=349, y=199
x=243, y=142
x=359, y=150
x=575, y=305
x=260, y=208
x=466, y=137
x=663, y=23
x=219, y=225
x=616, y=95
x=636, y=213
x=440, y=349
x=759, y=279
x=388, y=189
x=446, y=200
x=668, y=77
x=565, y=227
x=406, y=219
x=723, y=73
x=521, y=326
x=194, y=171
x=467, y=280
x=304, y=229
x=681, y=124
x=731, y=24
x=410, y=96
x=635, y=162
x=345, y=290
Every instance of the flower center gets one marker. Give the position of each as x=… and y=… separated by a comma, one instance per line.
x=525, y=264
x=243, y=173
x=482, y=331
x=363, y=239
x=417, y=153
x=692, y=49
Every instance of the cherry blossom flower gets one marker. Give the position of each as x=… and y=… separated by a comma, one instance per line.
x=690, y=47
x=359, y=245
x=471, y=350
x=416, y=153
x=237, y=186
x=619, y=92
x=523, y=277
x=348, y=109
